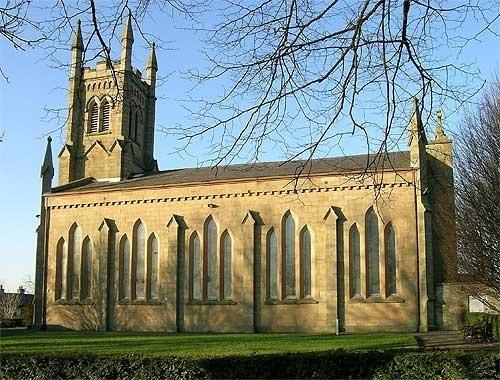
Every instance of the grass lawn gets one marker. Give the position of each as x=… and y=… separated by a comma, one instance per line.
x=193, y=345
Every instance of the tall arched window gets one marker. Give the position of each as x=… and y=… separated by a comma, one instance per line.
x=390, y=260
x=354, y=262
x=93, y=118
x=226, y=246
x=305, y=262
x=124, y=271
x=131, y=132
x=135, y=126
x=60, y=269
x=153, y=267
x=195, y=266
x=210, y=258
x=75, y=246
x=289, y=255
x=372, y=253
x=139, y=260
x=272, y=265
x=106, y=111
x=86, y=269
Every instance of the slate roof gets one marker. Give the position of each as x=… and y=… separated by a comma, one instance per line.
x=26, y=299
x=391, y=161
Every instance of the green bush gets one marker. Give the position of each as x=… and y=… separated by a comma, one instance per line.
x=49, y=367
x=445, y=365
x=494, y=319
x=338, y=364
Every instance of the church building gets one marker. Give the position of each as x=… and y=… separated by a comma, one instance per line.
x=124, y=246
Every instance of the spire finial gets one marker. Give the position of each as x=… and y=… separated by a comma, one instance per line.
x=152, y=63
x=127, y=30
x=415, y=121
x=77, y=40
x=439, y=126
x=47, y=169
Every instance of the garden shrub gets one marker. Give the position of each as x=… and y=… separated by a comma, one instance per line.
x=423, y=366
x=75, y=366
x=338, y=364
x=494, y=319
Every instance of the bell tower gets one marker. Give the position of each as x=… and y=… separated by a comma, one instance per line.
x=110, y=125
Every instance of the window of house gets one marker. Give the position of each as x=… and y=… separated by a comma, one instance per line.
x=60, y=269
x=354, y=262
x=226, y=246
x=86, y=269
x=75, y=239
x=106, y=109
x=272, y=265
x=138, y=260
x=289, y=255
x=124, y=270
x=94, y=118
x=372, y=253
x=130, y=124
x=153, y=267
x=305, y=256
x=390, y=260
x=135, y=126
x=195, y=266
x=210, y=251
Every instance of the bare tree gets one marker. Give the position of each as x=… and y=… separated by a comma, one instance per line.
x=478, y=198
x=302, y=76
x=305, y=75
x=28, y=284
x=9, y=303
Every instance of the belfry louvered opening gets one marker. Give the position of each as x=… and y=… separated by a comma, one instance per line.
x=94, y=118
x=105, y=117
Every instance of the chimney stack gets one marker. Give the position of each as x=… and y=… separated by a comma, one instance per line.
x=20, y=290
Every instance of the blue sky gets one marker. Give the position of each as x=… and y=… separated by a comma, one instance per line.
x=35, y=85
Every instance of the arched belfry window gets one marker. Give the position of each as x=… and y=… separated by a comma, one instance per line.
x=354, y=262
x=124, y=269
x=372, y=253
x=305, y=263
x=153, y=267
x=195, y=266
x=288, y=232
x=226, y=265
x=106, y=115
x=93, y=118
x=210, y=258
x=86, y=269
x=61, y=265
x=272, y=265
x=390, y=260
x=139, y=261
x=75, y=247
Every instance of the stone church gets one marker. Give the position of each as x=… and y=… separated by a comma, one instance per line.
x=124, y=246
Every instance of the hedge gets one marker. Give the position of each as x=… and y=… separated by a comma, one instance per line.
x=494, y=319
x=74, y=366
x=338, y=364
